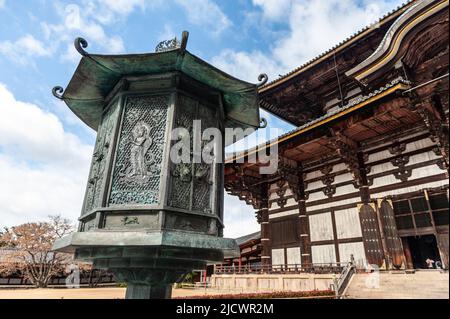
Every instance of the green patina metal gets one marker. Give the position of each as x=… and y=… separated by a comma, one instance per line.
x=96, y=75
x=147, y=218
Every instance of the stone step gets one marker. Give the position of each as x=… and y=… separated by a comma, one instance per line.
x=422, y=284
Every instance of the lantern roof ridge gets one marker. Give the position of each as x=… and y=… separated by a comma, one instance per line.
x=97, y=74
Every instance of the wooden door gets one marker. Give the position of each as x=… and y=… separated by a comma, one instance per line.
x=371, y=234
x=393, y=241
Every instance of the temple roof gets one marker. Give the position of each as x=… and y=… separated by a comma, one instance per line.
x=392, y=87
x=244, y=239
x=343, y=44
x=96, y=75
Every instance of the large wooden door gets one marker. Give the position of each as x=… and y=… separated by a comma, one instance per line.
x=442, y=240
x=371, y=234
x=393, y=241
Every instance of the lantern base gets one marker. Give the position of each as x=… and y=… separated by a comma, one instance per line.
x=138, y=291
x=148, y=283
x=148, y=262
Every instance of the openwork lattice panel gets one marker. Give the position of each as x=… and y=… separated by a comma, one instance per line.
x=137, y=171
x=180, y=191
x=101, y=153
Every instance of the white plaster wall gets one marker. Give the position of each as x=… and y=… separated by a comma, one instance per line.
x=313, y=174
x=426, y=171
x=317, y=196
x=278, y=256
x=289, y=202
x=384, y=180
x=346, y=189
x=357, y=249
x=323, y=254
x=381, y=168
x=286, y=213
x=417, y=145
x=420, y=144
x=410, y=189
x=347, y=223
x=343, y=178
x=274, y=195
x=321, y=227
x=293, y=256
x=415, y=174
x=314, y=185
x=339, y=167
x=422, y=157
x=355, y=199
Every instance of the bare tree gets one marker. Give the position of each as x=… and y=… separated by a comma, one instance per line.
x=29, y=249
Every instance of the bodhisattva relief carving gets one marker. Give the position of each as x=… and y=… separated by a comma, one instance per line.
x=137, y=168
x=140, y=168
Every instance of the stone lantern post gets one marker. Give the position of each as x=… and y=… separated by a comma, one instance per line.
x=153, y=209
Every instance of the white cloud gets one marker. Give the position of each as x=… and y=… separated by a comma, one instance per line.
x=273, y=9
x=207, y=14
x=314, y=27
x=43, y=168
x=2, y=3
x=319, y=25
x=239, y=218
x=81, y=21
x=123, y=7
x=24, y=50
x=245, y=65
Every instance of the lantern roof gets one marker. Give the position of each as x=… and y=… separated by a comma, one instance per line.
x=97, y=74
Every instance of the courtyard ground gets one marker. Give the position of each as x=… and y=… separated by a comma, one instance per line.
x=84, y=293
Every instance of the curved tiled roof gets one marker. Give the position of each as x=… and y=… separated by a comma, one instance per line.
x=301, y=68
x=249, y=237
x=330, y=114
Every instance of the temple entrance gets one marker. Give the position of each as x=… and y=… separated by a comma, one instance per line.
x=422, y=248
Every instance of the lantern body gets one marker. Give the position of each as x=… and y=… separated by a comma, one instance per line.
x=153, y=207
x=135, y=183
x=150, y=216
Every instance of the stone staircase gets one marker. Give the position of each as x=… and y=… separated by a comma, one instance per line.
x=423, y=284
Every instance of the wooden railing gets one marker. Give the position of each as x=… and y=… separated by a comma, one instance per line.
x=329, y=268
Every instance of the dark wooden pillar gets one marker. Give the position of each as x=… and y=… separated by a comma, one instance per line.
x=263, y=215
x=303, y=220
x=292, y=172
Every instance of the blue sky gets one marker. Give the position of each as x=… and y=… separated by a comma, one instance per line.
x=45, y=150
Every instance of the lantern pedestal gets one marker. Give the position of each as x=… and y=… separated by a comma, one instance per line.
x=142, y=291
x=148, y=262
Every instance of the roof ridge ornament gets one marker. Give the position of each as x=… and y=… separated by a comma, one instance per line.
x=81, y=44
x=168, y=45
x=173, y=44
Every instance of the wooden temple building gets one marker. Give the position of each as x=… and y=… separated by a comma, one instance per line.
x=365, y=173
x=249, y=251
